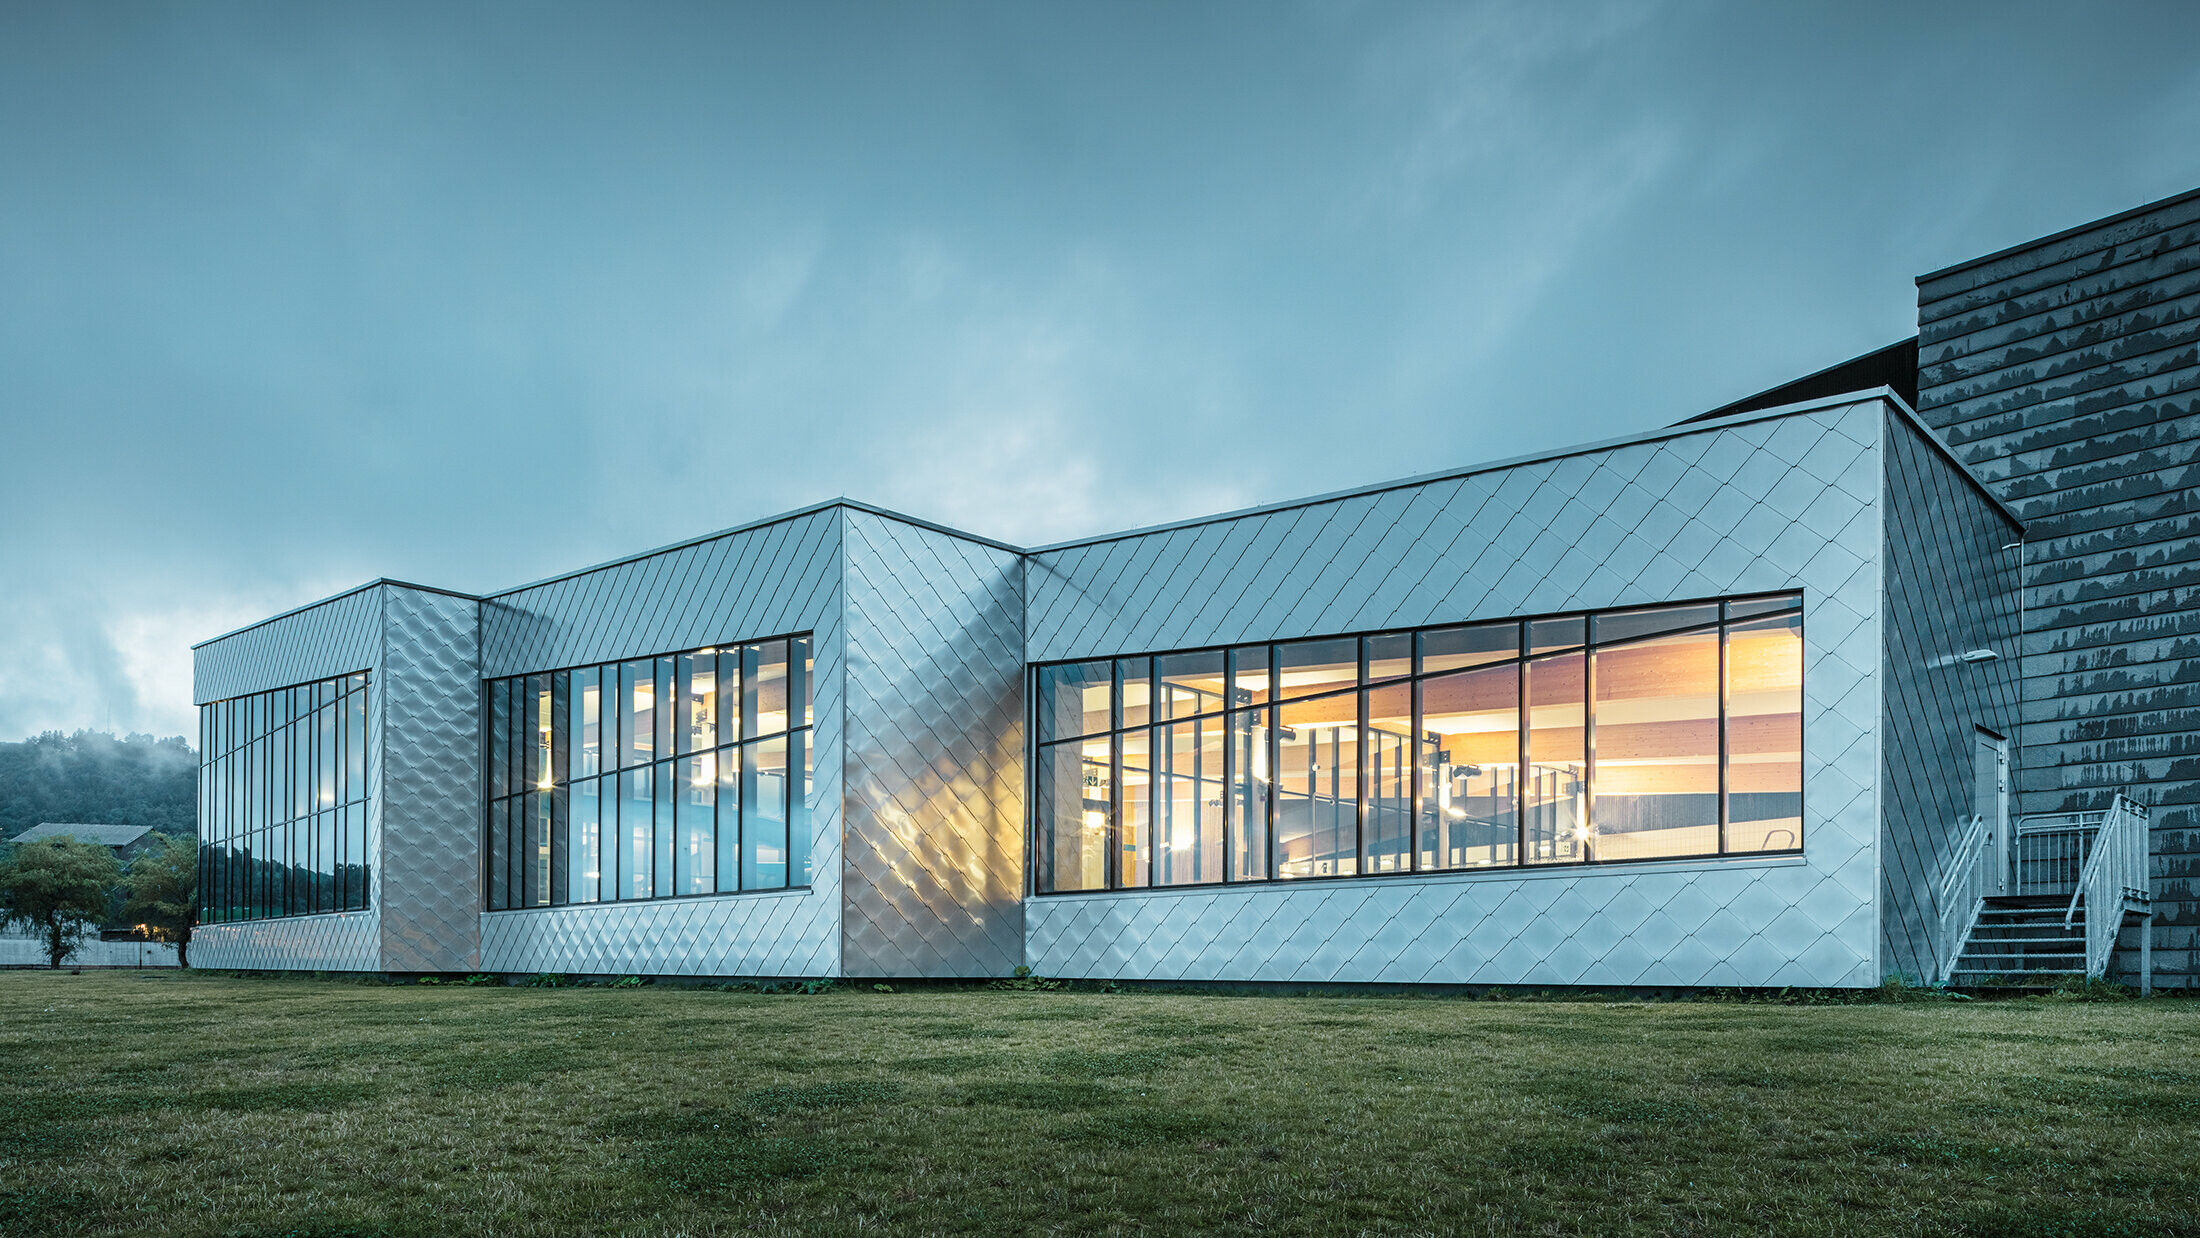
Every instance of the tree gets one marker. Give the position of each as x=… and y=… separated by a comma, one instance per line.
x=164, y=892
x=57, y=888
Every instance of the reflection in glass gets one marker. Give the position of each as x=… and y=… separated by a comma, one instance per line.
x=540, y=826
x=1317, y=787
x=583, y=856
x=542, y=773
x=637, y=713
x=764, y=815
x=799, y=775
x=1073, y=791
x=697, y=728
x=729, y=818
x=1751, y=607
x=282, y=779
x=666, y=833
x=1249, y=738
x=803, y=659
x=324, y=863
x=1188, y=802
x=1189, y=684
x=770, y=687
x=1134, y=692
x=729, y=695
x=1134, y=808
x=1470, y=768
x=1249, y=675
x=1764, y=734
x=636, y=811
x=668, y=707
x=1389, y=777
x=1546, y=635
x=500, y=738
x=670, y=823
x=1311, y=667
x=357, y=895
x=1074, y=700
x=499, y=862
x=587, y=724
x=695, y=854
x=1657, y=747
x=1555, y=814
x=1389, y=656
x=1623, y=625
x=1451, y=649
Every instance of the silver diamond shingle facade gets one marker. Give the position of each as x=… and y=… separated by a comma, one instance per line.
x=1770, y=504
x=935, y=799
x=339, y=636
x=780, y=577
x=923, y=636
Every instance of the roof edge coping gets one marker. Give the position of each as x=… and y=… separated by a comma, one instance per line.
x=1861, y=396
x=751, y=526
x=2064, y=235
x=339, y=596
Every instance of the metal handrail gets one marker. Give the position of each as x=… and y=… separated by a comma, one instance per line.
x=2115, y=876
x=2053, y=822
x=1962, y=893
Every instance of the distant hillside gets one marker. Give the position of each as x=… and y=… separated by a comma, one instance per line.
x=92, y=776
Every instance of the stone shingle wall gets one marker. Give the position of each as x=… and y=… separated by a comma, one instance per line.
x=2067, y=374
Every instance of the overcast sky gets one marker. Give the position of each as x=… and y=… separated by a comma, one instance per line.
x=294, y=296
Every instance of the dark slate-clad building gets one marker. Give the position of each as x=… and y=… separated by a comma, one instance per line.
x=2066, y=373
x=1878, y=673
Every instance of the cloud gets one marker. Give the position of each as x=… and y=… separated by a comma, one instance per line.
x=302, y=296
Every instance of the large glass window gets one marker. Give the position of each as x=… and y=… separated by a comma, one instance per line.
x=1655, y=733
x=283, y=802
x=1763, y=661
x=661, y=777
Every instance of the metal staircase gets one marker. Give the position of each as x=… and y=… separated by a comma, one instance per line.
x=2054, y=908
x=2013, y=938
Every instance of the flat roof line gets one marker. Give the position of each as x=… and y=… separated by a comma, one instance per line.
x=751, y=526
x=2064, y=235
x=336, y=597
x=1648, y=436
x=1844, y=399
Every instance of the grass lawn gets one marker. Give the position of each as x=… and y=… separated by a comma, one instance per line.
x=166, y=1103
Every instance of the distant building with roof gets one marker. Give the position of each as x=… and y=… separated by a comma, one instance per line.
x=115, y=945
x=126, y=841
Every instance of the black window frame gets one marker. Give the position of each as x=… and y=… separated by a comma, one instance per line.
x=1267, y=712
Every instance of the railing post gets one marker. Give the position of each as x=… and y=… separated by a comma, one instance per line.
x=2146, y=955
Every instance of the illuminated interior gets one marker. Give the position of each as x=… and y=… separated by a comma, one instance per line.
x=1659, y=733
